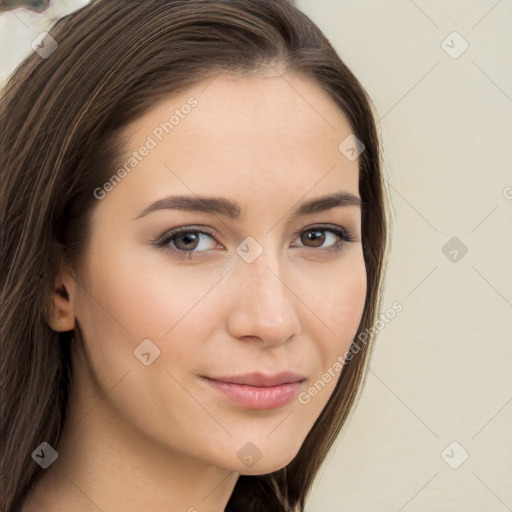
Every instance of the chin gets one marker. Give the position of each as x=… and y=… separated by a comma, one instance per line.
x=270, y=464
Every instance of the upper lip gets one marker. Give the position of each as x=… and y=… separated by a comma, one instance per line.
x=262, y=380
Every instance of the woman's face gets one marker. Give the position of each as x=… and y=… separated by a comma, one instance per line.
x=258, y=287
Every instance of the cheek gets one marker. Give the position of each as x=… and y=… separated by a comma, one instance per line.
x=166, y=303
x=347, y=302
x=340, y=305
x=128, y=303
x=343, y=299
x=147, y=295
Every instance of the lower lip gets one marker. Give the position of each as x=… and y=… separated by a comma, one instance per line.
x=252, y=397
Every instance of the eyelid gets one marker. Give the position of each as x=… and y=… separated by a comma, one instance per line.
x=163, y=240
x=346, y=235
x=186, y=228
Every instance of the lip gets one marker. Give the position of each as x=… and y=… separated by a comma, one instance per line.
x=257, y=390
x=262, y=380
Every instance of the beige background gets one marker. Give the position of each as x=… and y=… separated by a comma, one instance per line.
x=442, y=368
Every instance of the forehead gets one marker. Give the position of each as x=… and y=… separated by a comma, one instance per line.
x=230, y=107
x=257, y=136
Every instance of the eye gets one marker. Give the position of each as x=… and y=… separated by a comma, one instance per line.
x=324, y=237
x=187, y=241
x=184, y=241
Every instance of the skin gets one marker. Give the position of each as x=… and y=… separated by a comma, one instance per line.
x=156, y=437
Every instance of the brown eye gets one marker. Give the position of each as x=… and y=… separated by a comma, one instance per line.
x=313, y=238
x=332, y=238
x=186, y=241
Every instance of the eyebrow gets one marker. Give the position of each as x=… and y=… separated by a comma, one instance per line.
x=232, y=209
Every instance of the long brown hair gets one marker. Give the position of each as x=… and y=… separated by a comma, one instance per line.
x=60, y=116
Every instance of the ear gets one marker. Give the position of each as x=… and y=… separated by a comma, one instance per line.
x=62, y=318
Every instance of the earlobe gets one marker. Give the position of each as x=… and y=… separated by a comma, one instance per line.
x=62, y=318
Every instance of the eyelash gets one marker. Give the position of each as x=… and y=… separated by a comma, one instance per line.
x=163, y=241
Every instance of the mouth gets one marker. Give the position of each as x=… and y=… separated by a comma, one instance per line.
x=256, y=390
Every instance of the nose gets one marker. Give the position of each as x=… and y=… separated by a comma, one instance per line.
x=263, y=306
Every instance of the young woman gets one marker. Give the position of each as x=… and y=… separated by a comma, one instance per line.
x=194, y=236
